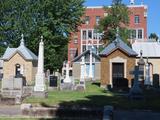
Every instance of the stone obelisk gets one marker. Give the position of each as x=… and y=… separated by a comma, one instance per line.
x=40, y=77
x=90, y=66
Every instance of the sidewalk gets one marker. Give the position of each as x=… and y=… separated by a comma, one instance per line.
x=136, y=115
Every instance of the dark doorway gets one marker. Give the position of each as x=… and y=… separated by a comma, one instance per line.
x=118, y=76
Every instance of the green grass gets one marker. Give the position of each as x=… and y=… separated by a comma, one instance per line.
x=94, y=96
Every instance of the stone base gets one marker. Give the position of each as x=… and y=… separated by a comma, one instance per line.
x=66, y=86
x=136, y=94
x=80, y=87
x=40, y=94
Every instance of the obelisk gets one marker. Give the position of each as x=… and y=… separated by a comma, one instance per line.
x=40, y=77
x=90, y=65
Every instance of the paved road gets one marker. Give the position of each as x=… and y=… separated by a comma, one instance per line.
x=13, y=110
x=136, y=115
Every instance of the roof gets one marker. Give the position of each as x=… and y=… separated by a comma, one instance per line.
x=84, y=53
x=118, y=44
x=149, y=48
x=22, y=50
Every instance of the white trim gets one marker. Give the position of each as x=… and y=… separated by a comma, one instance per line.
x=117, y=60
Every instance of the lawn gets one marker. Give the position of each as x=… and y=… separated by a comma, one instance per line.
x=94, y=96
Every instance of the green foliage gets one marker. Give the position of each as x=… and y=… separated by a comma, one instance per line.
x=153, y=36
x=54, y=19
x=117, y=17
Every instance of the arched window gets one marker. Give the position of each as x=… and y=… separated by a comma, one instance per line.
x=17, y=70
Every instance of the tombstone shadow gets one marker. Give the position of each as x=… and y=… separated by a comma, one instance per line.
x=120, y=84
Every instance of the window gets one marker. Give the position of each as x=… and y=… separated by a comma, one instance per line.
x=136, y=19
x=139, y=34
x=97, y=20
x=96, y=35
x=133, y=34
x=84, y=35
x=83, y=48
x=136, y=34
x=87, y=20
x=89, y=34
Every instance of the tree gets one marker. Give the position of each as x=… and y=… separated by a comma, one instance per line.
x=54, y=19
x=117, y=17
x=153, y=36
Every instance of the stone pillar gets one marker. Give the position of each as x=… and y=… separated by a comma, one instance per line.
x=67, y=78
x=147, y=75
x=82, y=71
x=40, y=76
x=90, y=65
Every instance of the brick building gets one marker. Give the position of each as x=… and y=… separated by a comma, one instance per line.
x=86, y=35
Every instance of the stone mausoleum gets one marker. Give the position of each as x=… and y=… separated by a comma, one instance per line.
x=117, y=60
x=19, y=62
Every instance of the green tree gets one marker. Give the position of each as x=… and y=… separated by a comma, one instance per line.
x=153, y=36
x=54, y=19
x=118, y=16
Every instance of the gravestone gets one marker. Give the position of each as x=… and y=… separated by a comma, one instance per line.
x=53, y=81
x=12, y=89
x=81, y=86
x=67, y=83
x=40, y=87
x=156, y=80
x=136, y=91
x=147, y=81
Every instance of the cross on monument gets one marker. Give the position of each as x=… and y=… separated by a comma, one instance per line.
x=136, y=91
x=136, y=73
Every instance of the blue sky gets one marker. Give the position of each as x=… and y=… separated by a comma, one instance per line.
x=153, y=25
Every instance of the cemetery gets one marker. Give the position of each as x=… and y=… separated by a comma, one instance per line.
x=124, y=83
x=98, y=81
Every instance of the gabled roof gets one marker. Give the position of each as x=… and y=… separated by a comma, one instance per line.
x=22, y=50
x=149, y=48
x=118, y=44
x=84, y=53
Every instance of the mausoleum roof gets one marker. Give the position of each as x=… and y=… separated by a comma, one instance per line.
x=149, y=48
x=22, y=50
x=118, y=44
x=83, y=54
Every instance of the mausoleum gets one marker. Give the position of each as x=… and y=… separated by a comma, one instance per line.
x=19, y=62
x=92, y=62
x=117, y=60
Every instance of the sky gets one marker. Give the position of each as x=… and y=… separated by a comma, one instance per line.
x=153, y=20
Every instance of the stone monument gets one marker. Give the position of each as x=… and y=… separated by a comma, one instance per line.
x=90, y=65
x=40, y=88
x=136, y=91
x=147, y=81
x=67, y=82
x=81, y=85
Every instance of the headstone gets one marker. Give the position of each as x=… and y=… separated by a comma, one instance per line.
x=12, y=87
x=67, y=78
x=81, y=85
x=67, y=82
x=136, y=91
x=53, y=81
x=40, y=88
x=147, y=81
x=48, y=74
x=141, y=65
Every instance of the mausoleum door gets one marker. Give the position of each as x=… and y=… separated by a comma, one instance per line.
x=117, y=74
